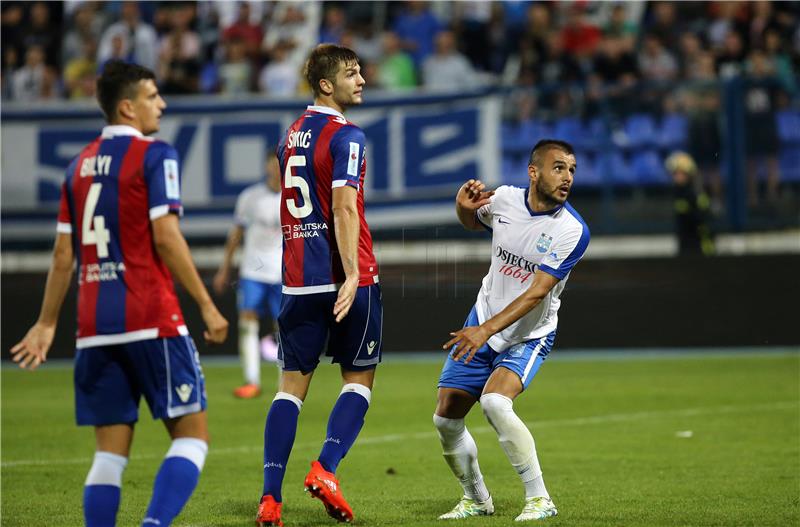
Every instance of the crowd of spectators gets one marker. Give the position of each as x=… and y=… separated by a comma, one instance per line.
x=55, y=49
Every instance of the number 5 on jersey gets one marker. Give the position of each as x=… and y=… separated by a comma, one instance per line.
x=93, y=231
x=290, y=180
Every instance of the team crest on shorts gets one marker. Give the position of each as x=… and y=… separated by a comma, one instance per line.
x=517, y=350
x=543, y=243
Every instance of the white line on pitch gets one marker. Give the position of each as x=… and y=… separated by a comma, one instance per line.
x=389, y=438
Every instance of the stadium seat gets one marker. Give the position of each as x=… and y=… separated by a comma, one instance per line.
x=640, y=130
x=788, y=122
x=587, y=174
x=673, y=134
x=569, y=129
x=618, y=169
x=533, y=130
x=648, y=168
x=790, y=163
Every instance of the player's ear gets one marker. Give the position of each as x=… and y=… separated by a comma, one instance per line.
x=125, y=109
x=326, y=87
x=532, y=172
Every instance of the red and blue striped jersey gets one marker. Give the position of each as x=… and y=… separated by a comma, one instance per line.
x=113, y=189
x=321, y=151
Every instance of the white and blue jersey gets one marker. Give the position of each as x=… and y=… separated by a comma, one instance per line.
x=525, y=242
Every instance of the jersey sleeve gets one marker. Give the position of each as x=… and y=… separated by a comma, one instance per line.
x=162, y=177
x=242, y=214
x=64, y=224
x=485, y=213
x=565, y=252
x=347, y=151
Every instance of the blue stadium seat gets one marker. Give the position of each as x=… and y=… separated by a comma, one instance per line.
x=533, y=130
x=648, y=168
x=788, y=122
x=673, y=133
x=640, y=130
x=618, y=170
x=587, y=174
x=514, y=170
x=511, y=139
x=790, y=163
x=569, y=129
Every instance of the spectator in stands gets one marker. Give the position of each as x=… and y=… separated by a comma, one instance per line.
x=367, y=44
x=691, y=206
x=619, y=25
x=279, y=77
x=138, y=39
x=655, y=62
x=760, y=128
x=689, y=47
x=43, y=32
x=334, y=24
x=296, y=23
x=701, y=98
x=35, y=80
x=179, y=52
x=760, y=20
x=80, y=73
x=417, y=27
x=12, y=34
x=396, y=69
x=245, y=31
x=781, y=61
x=726, y=18
x=664, y=24
x=615, y=66
x=236, y=72
x=86, y=25
x=578, y=36
x=447, y=69
x=730, y=60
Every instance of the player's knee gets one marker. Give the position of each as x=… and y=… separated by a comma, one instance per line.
x=447, y=426
x=495, y=406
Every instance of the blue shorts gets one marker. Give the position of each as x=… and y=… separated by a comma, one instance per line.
x=258, y=296
x=306, y=322
x=524, y=359
x=110, y=381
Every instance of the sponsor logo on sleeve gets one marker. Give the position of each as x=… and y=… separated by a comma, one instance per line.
x=171, y=179
x=352, y=162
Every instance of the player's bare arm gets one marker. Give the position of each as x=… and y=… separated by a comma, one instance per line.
x=222, y=278
x=470, y=197
x=173, y=249
x=32, y=350
x=347, y=228
x=469, y=340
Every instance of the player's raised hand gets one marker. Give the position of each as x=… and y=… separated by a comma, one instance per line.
x=216, y=326
x=32, y=350
x=473, y=195
x=345, y=298
x=467, y=341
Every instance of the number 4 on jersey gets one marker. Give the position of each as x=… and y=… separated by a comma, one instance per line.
x=99, y=235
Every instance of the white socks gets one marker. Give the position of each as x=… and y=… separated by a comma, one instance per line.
x=461, y=454
x=249, y=352
x=106, y=469
x=516, y=441
x=193, y=449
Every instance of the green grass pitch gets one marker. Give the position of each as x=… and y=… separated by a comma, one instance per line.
x=687, y=439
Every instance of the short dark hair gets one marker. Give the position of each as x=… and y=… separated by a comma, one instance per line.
x=547, y=144
x=119, y=81
x=324, y=61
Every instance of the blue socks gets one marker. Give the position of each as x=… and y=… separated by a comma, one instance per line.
x=279, y=434
x=101, y=493
x=176, y=480
x=344, y=424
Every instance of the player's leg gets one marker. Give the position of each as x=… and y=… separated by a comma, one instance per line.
x=251, y=299
x=460, y=385
x=169, y=375
x=105, y=398
x=355, y=343
x=514, y=370
x=303, y=331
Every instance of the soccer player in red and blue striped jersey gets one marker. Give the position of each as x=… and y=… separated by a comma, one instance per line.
x=330, y=280
x=120, y=204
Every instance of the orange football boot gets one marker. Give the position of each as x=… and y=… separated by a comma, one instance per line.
x=247, y=391
x=324, y=486
x=269, y=512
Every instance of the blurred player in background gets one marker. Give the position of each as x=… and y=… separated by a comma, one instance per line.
x=120, y=204
x=537, y=238
x=257, y=220
x=330, y=280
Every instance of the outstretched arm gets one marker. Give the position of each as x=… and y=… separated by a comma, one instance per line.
x=173, y=249
x=32, y=349
x=470, y=197
x=470, y=339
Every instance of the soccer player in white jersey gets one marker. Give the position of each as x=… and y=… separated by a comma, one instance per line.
x=257, y=219
x=537, y=237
